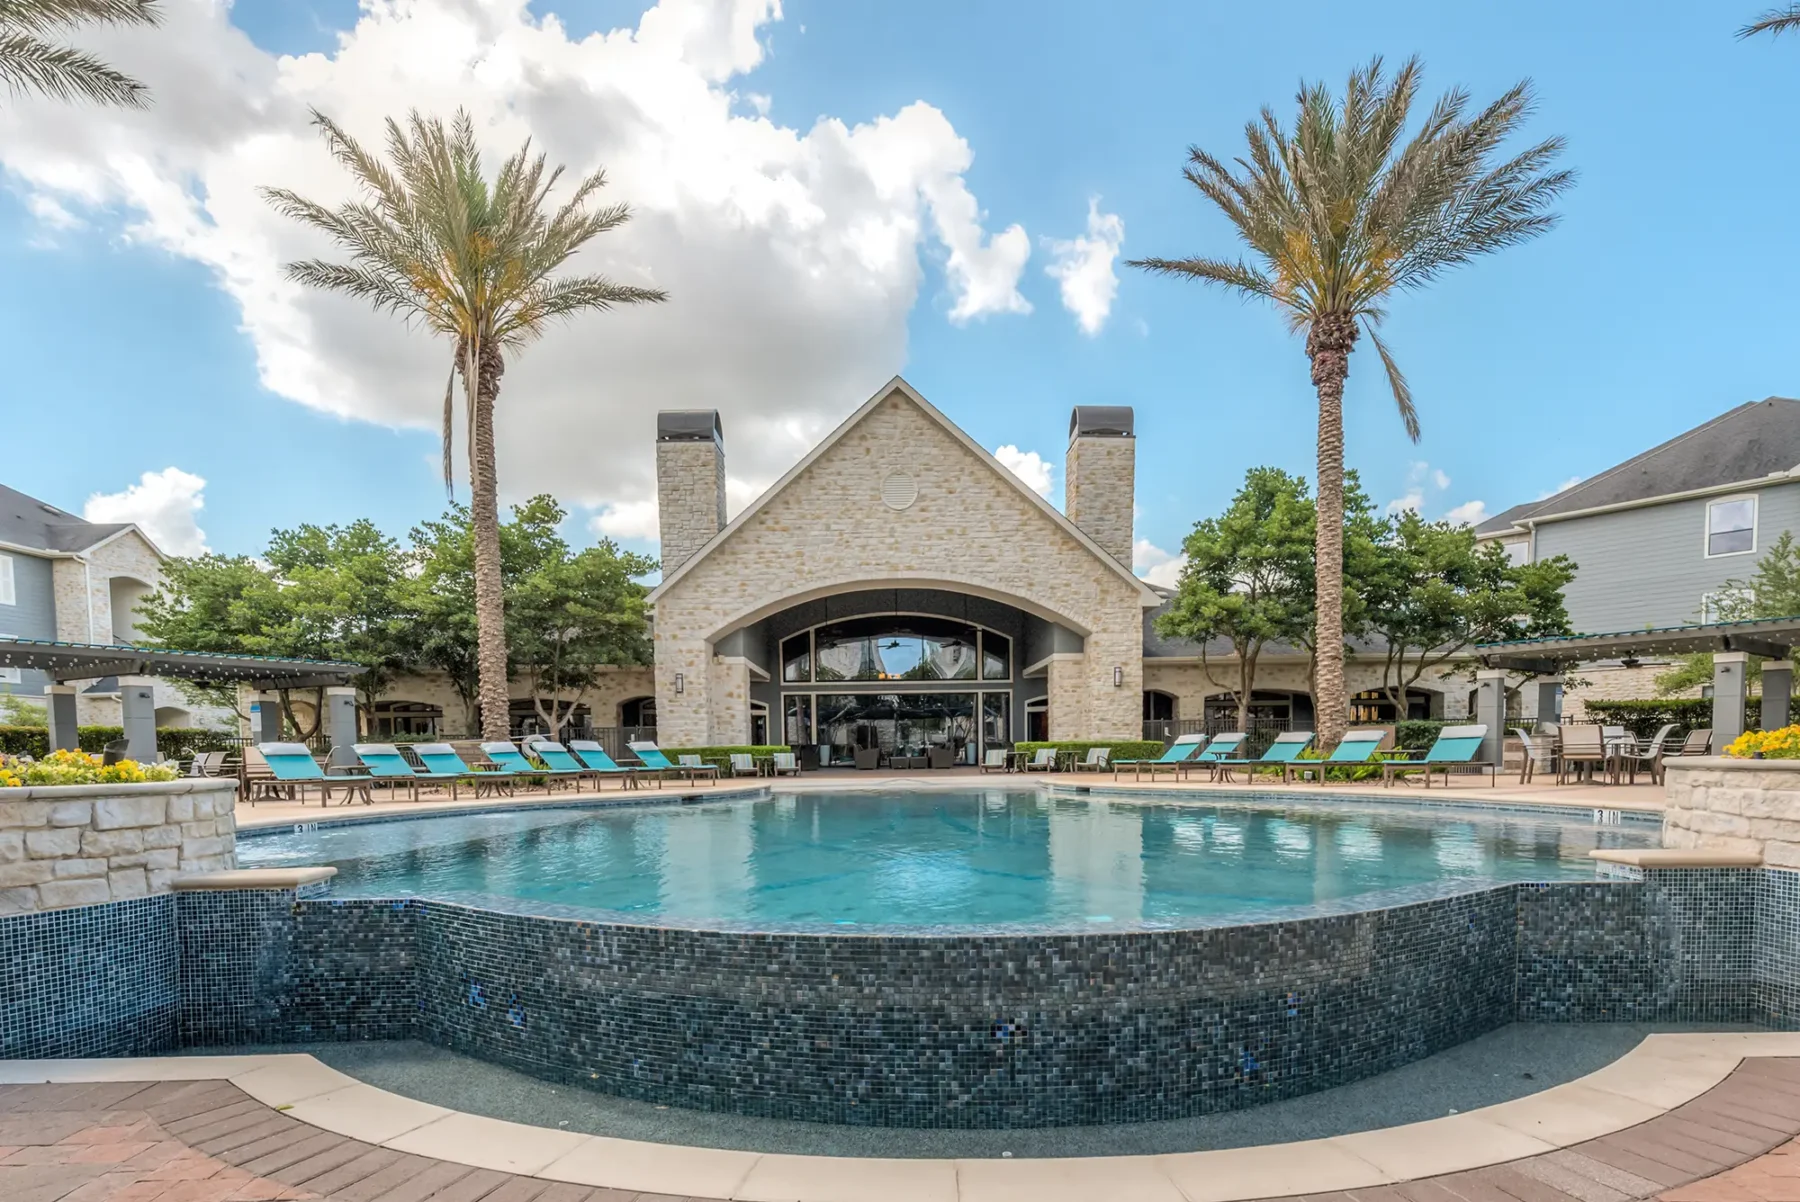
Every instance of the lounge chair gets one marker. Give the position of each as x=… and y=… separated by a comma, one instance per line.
x=1222, y=747
x=742, y=764
x=511, y=759
x=292, y=770
x=593, y=757
x=1043, y=761
x=785, y=764
x=1454, y=750
x=994, y=760
x=1171, y=758
x=441, y=760
x=655, y=761
x=558, y=758
x=387, y=766
x=1357, y=747
x=1098, y=759
x=1285, y=749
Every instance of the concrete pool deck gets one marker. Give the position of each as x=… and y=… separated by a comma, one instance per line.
x=1640, y=798
x=1675, y=1111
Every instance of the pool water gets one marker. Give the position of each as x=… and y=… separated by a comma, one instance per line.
x=943, y=859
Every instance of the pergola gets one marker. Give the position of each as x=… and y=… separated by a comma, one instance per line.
x=68, y=662
x=1731, y=644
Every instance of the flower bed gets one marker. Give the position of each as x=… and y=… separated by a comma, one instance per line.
x=79, y=768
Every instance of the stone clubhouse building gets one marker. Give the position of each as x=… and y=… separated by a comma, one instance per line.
x=899, y=590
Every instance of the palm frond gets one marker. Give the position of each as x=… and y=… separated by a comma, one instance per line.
x=1409, y=416
x=29, y=64
x=449, y=427
x=1776, y=21
x=44, y=16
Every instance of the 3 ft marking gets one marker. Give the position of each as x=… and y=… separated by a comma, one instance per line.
x=300, y=828
x=1601, y=817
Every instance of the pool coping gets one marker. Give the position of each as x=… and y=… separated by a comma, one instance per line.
x=1663, y=1072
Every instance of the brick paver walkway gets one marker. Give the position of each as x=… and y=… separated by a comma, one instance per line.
x=206, y=1141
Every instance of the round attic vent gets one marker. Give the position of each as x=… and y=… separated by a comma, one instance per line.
x=899, y=491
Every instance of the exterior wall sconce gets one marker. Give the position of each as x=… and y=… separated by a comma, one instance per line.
x=680, y=683
x=1118, y=677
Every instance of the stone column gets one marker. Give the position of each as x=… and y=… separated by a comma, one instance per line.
x=1729, y=670
x=1490, y=711
x=1549, y=700
x=267, y=727
x=340, y=717
x=1777, y=692
x=59, y=702
x=137, y=707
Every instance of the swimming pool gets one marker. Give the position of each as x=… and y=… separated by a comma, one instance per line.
x=947, y=860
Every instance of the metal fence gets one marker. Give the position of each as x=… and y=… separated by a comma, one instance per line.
x=1261, y=732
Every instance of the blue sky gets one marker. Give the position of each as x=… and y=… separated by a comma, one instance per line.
x=1663, y=299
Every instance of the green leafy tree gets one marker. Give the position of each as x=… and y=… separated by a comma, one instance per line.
x=473, y=259
x=1436, y=591
x=1341, y=213
x=1773, y=591
x=1248, y=577
x=31, y=61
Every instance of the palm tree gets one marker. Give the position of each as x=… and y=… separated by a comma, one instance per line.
x=1776, y=21
x=1341, y=214
x=29, y=63
x=470, y=259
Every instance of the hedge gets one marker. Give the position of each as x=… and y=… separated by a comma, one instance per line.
x=1644, y=718
x=173, y=741
x=1418, y=734
x=1122, y=749
x=720, y=757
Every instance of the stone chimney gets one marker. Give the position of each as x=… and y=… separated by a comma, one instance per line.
x=1100, y=476
x=690, y=482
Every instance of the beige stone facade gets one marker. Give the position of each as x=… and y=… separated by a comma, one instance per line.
x=1099, y=487
x=1734, y=805
x=690, y=487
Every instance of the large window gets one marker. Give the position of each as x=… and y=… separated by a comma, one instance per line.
x=1731, y=526
x=891, y=648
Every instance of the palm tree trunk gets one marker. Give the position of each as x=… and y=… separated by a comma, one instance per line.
x=1328, y=345
x=484, y=516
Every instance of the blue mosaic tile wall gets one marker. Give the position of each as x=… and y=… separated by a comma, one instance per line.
x=1776, y=952
x=89, y=981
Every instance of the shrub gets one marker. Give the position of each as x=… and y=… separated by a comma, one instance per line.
x=79, y=768
x=173, y=741
x=1122, y=749
x=1783, y=744
x=1644, y=718
x=1418, y=734
x=720, y=757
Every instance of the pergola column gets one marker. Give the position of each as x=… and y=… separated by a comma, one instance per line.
x=1730, y=668
x=1549, y=701
x=59, y=702
x=137, y=711
x=340, y=717
x=267, y=727
x=1777, y=692
x=1490, y=711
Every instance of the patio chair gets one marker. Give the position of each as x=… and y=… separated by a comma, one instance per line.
x=785, y=764
x=292, y=770
x=1171, y=758
x=386, y=765
x=656, y=761
x=1538, y=751
x=1695, y=742
x=441, y=759
x=1223, y=746
x=593, y=757
x=1356, y=747
x=511, y=759
x=1650, y=755
x=1044, y=760
x=1454, y=751
x=558, y=758
x=742, y=763
x=1583, y=747
x=994, y=760
x=1098, y=759
x=1286, y=748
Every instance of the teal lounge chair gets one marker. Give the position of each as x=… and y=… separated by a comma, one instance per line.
x=511, y=759
x=442, y=760
x=558, y=759
x=656, y=761
x=1224, y=745
x=387, y=766
x=1356, y=747
x=594, y=758
x=1171, y=758
x=294, y=770
x=1285, y=749
x=1455, y=750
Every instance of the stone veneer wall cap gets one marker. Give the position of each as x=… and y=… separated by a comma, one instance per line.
x=197, y=784
x=253, y=878
x=1677, y=857
x=1731, y=761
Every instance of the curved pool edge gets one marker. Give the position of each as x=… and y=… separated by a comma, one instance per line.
x=285, y=824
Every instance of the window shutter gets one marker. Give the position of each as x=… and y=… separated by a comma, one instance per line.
x=7, y=596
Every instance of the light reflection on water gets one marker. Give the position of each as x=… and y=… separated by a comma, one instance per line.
x=944, y=858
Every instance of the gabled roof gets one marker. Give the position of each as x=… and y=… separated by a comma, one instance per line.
x=1149, y=595
x=33, y=525
x=1739, y=447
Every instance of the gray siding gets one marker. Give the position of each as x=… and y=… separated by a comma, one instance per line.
x=34, y=615
x=1648, y=567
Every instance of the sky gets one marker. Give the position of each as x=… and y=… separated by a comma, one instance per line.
x=836, y=191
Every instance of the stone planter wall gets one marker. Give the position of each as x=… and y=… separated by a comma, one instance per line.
x=1735, y=805
x=78, y=845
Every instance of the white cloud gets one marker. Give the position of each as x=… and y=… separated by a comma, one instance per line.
x=1084, y=268
x=633, y=520
x=1469, y=513
x=165, y=504
x=1156, y=565
x=1439, y=478
x=1565, y=486
x=792, y=255
x=1028, y=466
